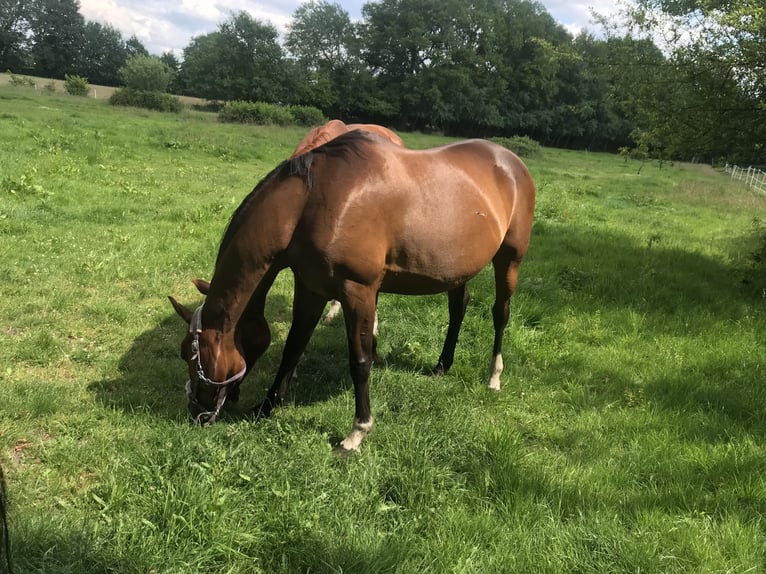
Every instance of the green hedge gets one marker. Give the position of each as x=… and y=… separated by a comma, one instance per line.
x=159, y=101
x=261, y=113
x=521, y=145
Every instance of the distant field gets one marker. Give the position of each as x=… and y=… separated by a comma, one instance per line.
x=630, y=434
x=95, y=91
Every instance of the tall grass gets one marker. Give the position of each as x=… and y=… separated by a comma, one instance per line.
x=629, y=435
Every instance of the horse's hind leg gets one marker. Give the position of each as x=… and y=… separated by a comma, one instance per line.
x=332, y=312
x=307, y=310
x=506, y=266
x=359, y=313
x=458, y=301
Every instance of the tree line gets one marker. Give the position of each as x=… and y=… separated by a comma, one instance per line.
x=461, y=67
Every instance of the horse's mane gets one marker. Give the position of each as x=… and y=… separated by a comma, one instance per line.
x=301, y=166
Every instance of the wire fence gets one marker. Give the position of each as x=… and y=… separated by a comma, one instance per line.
x=750, y=176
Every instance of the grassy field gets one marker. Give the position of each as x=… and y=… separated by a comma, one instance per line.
x=630, y=435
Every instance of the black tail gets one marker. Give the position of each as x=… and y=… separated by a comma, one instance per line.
x=5, y=540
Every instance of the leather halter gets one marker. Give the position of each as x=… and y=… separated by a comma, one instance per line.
x=195, y=329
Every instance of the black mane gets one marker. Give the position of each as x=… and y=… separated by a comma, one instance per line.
x=300, y=166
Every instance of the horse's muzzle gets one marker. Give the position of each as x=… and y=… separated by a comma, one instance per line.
x=199, y=414
x=201, y=418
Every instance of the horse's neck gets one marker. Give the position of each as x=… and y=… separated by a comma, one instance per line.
x=242, y=297
x=254, y=256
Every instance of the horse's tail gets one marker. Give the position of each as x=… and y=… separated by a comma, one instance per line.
x=5, y=540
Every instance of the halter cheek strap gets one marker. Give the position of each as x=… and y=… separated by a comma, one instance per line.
x=195, y=328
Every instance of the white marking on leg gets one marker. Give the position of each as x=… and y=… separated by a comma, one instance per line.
x=496, y=368
x=358, y=433
x=375, y=325
x=332, y=312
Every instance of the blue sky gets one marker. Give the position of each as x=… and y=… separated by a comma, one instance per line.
x=170, y=26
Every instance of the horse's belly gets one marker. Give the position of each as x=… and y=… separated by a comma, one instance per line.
x=407, y=283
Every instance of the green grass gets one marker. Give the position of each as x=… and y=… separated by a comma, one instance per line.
x=629, y=435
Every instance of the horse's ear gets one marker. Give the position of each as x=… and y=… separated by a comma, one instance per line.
x=183, y=312
x=201, y=285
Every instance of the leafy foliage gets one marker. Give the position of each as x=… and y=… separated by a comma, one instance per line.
x=679, y=79
x=521, y=145
x=707, y=98
x=158, y=101
x=18, y=80
x=145, y=73
x=76, y=85
x=307, y=115
x=258, y=113
x=242, y=60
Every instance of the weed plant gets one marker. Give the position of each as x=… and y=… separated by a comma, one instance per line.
x=628, y=437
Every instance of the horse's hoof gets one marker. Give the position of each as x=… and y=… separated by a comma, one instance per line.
x=438, y=370
x=342, y=452
x=262, y=410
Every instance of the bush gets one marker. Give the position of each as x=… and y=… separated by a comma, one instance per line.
x=520, y=145
x=149, y=100
x=76, y=85
x=146, y=74
x=212, y=107
x=16, y=80
x=307, y=115
x=259, y=113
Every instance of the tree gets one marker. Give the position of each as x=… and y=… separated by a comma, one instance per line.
x=325, y=47
x=172, y=62
x=413, y=49
x=716, y=52
x=14, y=25
x=146, y=74
x=58, y=36
x=240, y=61
x=473, y=67
x=135, y=47
x=321, y=35
x=104, y=53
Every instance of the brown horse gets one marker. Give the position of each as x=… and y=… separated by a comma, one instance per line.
x=354, y=217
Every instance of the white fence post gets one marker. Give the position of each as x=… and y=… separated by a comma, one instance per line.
x=752, y=177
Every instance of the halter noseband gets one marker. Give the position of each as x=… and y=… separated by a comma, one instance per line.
x=195, y=328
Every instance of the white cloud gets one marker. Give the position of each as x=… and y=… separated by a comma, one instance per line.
x=165, y=26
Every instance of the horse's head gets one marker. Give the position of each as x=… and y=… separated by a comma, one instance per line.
x=215, y=367
x=215, y=370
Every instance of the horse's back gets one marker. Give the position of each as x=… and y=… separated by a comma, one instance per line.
x=327, y=132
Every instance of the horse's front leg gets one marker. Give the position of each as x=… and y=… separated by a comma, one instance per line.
x=307, y=310
x=458, y=301
x=359, y=313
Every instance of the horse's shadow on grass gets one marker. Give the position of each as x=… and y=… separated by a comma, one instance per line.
x=586, y=279
x=152, y=374
x=680, y=295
